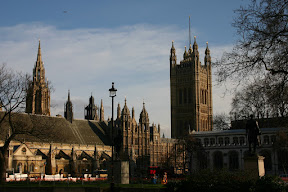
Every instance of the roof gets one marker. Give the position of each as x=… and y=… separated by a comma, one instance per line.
x=57, y=130
x=237, y=131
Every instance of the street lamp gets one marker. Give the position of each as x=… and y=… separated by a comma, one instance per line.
x=112, y=92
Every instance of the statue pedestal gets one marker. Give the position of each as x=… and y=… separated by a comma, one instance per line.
x=120, y=172
x=255, y=164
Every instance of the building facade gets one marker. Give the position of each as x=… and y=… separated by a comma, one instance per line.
x=227, y=149
x=190, y=91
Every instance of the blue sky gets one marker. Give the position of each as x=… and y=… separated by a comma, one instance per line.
x=88, y=44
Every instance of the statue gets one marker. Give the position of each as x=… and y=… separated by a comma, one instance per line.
x=253, y=132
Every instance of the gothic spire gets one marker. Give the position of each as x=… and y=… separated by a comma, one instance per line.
x=39, y=56
x=68, y=95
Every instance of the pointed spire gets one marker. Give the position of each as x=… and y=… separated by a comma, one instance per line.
x=185, y=53
x=207, y=59
x=39, y=58
x=172, y=45
x=68, y=95
x=163, y=136
x=207, y=51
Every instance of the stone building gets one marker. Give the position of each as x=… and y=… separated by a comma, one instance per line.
x=141, y=143
x=72, y=146
x=226, y=150
x=38, y=93
x=190, y=91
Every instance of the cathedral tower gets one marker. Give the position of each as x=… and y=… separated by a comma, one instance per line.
x=38, y=93
x=68, y=111
x=190, y=91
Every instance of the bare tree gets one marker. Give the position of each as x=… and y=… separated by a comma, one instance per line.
x=13, y=124
x=264, y=98
x=221, y=122
x=263, y=45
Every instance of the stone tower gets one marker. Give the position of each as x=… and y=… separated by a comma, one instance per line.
x=91, y=110
x=38, y=93
x=68, y=110
x=191, y=92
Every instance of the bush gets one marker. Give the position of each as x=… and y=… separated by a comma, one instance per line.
x=221, y=180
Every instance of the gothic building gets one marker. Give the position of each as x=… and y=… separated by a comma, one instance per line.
x=38, y=93
x=141, y=142
x=190, y=91
x=83, y=146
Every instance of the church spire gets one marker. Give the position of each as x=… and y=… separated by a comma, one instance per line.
x=39, y=57
x=69, y=95
x=68, y=111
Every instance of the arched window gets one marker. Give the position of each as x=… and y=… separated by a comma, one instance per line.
x=266, y=139
x=32, y=166
x=212, y=141
x=235, y=140
x=220, y=141
x=227, y=140
x=206, y=141
x=19, y=168
x=233, y=160
x=241, y=140
x=218, y=160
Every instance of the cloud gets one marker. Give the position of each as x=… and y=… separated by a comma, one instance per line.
x=86, y=61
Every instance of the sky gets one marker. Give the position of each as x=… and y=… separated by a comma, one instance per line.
x=87, y=45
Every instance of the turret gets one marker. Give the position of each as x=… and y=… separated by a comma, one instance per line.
x=118, y=111
x=68, y=111
x=185, y=55
x=195, y=47
x=144, y=118
x=173, y=58
x=190, y=51
x=207, y=59
x=101, y=111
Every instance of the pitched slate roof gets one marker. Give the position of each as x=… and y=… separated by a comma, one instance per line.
x=58, y=130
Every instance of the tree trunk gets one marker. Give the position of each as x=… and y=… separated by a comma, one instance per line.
x=2, y=165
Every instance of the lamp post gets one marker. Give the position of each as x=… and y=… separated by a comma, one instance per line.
x=112, y=92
